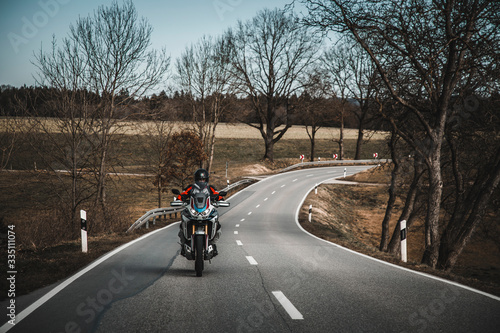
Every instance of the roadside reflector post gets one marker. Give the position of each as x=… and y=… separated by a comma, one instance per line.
x=316, y=189
x=403, y=241
x=310, y=212
x=345, y=172
x=83, y=223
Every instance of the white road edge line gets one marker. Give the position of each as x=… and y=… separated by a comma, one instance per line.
x=288, y=306
x=251, y=260
x=385, y=262
x=26, y=312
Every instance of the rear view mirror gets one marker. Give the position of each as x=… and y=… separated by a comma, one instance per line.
x=176, y=191
x=222, y=204
x=177, y=203
x=222, y=193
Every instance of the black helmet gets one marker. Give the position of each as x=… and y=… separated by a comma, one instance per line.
x=201, y=175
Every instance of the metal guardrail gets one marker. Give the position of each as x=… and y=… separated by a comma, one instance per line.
x=336, y=162
x=152, y=214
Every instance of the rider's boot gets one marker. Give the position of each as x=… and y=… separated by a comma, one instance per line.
x=182, y=241
x=215, y=239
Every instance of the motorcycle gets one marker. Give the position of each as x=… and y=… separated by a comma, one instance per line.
x=199, y=224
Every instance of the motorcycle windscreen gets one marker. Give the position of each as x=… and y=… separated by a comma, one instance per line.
x=200, y=201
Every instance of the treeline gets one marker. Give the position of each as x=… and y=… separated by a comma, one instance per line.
x=29, y=101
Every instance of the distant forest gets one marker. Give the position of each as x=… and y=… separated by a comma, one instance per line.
x=177, y=106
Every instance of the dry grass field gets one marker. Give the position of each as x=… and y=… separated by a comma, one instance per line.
x=223, y=130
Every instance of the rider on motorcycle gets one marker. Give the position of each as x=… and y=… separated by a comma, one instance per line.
x=200, y=177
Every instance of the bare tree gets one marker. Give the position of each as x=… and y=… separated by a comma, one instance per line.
x=363, y=87
x=203, y=73
x=314, y=108
x=9, y=136
x=423, y=51
x=335, y=61
x=269, y=55
x=184, y=154
x=114, y=46
x=158, y=139
x=68, y=133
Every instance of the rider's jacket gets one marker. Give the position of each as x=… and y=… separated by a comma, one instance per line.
x=214, y=195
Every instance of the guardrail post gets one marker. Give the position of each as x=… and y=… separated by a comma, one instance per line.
x=83, y=222
x=403, y=241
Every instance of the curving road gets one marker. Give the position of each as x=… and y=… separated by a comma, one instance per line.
x=270, y=276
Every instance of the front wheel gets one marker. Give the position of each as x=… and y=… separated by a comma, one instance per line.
x=198, y=265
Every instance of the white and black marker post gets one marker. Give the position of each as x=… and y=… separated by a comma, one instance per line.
x=310, y=212
x=403, y=241
x=83, y=220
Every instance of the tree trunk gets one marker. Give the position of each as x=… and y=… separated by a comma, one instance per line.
x=359, y=143
x=392, y=195
x=341, y=139
x=313, y=142
x=407, y=214
x=431, y=251
x=460, y=229
x=269, y=152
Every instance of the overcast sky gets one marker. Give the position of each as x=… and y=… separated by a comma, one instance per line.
x=26, y=25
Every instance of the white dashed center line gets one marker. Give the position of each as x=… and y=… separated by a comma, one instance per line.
x=251, y=260
x=236, y=232
x=249, y=213
x=237, y=226
x=257, y=206
x=239, y=243
x=289, y=307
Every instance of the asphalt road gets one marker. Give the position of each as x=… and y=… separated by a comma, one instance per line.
x=270, y=276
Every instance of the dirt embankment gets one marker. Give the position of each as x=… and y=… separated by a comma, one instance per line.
x=351, y=216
